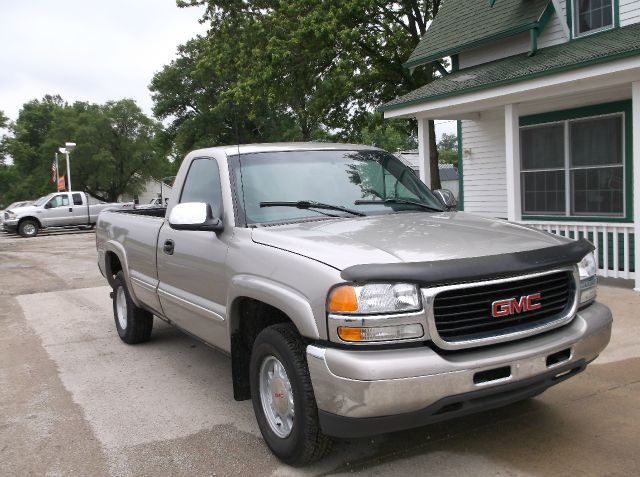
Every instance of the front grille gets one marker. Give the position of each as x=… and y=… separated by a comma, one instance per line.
x=465, y=314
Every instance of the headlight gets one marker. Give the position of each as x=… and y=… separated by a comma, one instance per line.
x=11, y=216
x=376, y=312
x=374, y=298
x=588, y=268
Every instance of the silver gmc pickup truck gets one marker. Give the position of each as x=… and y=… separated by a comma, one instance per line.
x=349, y=301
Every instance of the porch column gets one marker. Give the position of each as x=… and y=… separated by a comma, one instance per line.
x=635, y=99
x=424, y=151
x=512, y=154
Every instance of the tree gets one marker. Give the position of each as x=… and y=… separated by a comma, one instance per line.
x=4, y=121
x=448, y=142
x=196, y=94
x=448, y=149
x=117, y=150
x=119, y=147
x=324, y=63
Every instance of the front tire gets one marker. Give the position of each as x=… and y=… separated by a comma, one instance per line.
x=283, y=398
x=28, y=228
x=134, y=324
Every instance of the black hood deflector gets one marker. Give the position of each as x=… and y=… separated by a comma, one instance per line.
x=446, y=272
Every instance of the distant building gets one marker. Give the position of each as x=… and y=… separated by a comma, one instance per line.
x=152, y=190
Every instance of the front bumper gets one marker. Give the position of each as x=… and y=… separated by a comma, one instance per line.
x=372, y=392
x=10, y=225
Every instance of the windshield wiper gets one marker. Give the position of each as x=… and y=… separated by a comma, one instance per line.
x=310, y=204
x=396, y=200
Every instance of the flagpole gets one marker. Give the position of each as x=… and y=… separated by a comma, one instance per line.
x=57, y=173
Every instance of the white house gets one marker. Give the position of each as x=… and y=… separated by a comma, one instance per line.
x=547, y=98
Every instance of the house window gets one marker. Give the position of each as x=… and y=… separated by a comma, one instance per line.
x=592, y=15
x=574, y=167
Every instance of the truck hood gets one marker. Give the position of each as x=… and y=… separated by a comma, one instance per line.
x=25, y=210
x=404, y=237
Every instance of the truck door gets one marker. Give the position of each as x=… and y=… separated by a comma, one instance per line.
x=80, y=210
x=57, y=212
x=191, y=265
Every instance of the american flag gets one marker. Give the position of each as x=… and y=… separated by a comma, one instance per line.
x=54, y=172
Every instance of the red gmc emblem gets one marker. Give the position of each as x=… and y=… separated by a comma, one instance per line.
x=513, y=306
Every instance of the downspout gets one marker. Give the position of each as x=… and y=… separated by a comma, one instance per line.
x=538, y=27
x=533, y=35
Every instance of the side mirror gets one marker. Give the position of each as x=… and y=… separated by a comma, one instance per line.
x=447, y=198
x=194, y=216
x=47, y=205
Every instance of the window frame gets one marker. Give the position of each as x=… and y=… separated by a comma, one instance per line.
x=184, y=183
x=573, y=15
x=544, y=169
x=589, y=112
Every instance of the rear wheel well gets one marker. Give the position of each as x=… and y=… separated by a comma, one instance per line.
x=113, y=266
x=249, y=318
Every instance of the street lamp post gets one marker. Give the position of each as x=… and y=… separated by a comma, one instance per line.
x=68, y=147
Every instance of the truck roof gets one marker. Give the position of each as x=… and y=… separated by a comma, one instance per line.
x=232, y=150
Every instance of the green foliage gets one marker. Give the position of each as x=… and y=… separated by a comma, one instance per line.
x=118, y=148
x=391, y=135
x=295, y=70
x=448, y=149
x=448, y=142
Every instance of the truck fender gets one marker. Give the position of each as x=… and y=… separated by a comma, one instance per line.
x=118, y=250
x=280, y=296
x=30, y=217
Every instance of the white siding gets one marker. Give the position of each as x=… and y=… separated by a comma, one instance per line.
x=484, y=168
x=629, y=12
x=553, y=34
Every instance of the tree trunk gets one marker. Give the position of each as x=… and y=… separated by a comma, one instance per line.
x=433, y=157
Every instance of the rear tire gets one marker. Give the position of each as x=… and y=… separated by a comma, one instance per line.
x=283, y=398
x=134, y=324
x=28, y=228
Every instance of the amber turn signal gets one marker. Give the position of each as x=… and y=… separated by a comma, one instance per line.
x=342, y=300
x=350, y=334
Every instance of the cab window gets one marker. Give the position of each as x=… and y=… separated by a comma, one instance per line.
x=202, y=184
x=77, y=199
x=59, y=201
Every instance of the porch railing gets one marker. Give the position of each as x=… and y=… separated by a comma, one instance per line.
x=614, y=243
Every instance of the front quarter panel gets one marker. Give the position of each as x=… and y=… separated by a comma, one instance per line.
x=294, y=284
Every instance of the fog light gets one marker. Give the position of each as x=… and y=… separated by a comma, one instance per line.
x=380, y=333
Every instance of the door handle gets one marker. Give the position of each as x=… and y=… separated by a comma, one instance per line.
x=168, y=246
x=70, y=209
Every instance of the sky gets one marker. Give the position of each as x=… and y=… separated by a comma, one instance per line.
x=90, y=50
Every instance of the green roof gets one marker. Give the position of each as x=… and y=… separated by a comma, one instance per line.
x=464, y=24
x=590, y=50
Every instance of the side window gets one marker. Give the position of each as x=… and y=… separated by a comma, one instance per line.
x=59, y=201
x=203, y=185
x=592, y=15
x=77, y=199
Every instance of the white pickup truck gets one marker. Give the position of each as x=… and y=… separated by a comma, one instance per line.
x=62, y=209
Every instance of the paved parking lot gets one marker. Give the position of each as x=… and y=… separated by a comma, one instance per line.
x=75, y=400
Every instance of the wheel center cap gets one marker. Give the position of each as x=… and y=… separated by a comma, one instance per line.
x=280, y=395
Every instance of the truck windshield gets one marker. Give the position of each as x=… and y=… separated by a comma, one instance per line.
x=42, y=200
x=357, y=180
